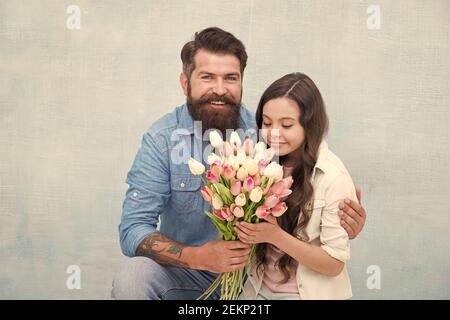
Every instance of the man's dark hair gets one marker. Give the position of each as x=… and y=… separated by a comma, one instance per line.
x=214, y=40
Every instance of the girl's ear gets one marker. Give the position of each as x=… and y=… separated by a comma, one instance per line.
x=184, y=83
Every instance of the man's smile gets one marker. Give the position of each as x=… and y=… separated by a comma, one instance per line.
x=217, y=104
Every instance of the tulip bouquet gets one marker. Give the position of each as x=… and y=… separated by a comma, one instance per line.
x=241, y=184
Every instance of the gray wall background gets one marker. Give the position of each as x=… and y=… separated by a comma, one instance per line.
x=75, y=103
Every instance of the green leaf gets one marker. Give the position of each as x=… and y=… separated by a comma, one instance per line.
x=224, y=193
x=222, y=229
x=220, y=225
x=225, y=182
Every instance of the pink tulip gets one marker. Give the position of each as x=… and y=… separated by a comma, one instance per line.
x=262, y=212
x=279, y=189
x=218, y=214
x=271, y=201
x=216, y=168
x=257, y=180
x=237, y=211
x=236, y=188
x=285, y=194
x=248, y=147
x=228, y=172
x=262, y=164
x=279, y=209
x=249, y=184
x=235, y=149
x=288, y=181
x=227, y=214
x=207, y=193
x=211, y=177
x=226, y=149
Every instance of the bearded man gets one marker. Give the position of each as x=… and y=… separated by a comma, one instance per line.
x=180, y=258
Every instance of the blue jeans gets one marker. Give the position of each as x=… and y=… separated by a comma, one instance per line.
x=141, y=278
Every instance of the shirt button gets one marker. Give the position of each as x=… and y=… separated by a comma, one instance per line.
x=182, y=184
x=300, y=285
x=135, y=194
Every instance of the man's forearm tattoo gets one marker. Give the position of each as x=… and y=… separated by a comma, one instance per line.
x=162, y=250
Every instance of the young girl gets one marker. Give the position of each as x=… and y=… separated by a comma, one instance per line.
x=302, y=254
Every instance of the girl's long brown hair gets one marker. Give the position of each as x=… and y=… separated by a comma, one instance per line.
x=313, y=118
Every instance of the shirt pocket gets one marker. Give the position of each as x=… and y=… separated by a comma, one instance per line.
x=312, y=230
x=185, y=194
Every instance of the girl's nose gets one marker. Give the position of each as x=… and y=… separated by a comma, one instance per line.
x=273, y=135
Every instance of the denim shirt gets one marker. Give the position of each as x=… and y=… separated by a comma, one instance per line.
x=162, y=189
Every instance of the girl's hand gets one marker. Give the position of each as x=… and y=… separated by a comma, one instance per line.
x=253, y=233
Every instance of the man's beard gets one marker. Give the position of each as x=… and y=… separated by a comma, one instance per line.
x=221, y=119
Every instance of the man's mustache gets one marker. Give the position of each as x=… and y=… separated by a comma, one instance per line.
x=216, y=98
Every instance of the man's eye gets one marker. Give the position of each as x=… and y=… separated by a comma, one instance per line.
x=232, y=78
x=206, y=77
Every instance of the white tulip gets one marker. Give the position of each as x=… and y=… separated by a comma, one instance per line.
x=237, y=211
x=233, y=162
x=258, y=157
x=256, y=194
x=240, y=200
x=242, y=174
x=235, y=140
x=241, y=157
x=215, y=139
x=274, y=170
x=252, y=166
x=196, y=167
x=217, y=202
x=213, y=158
x=260, y=147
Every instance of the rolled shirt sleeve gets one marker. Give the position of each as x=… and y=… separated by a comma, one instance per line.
x=333, y=237
x=147, y=194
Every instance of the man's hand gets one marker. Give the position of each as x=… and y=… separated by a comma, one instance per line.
x=353, y=215
x=222, y=256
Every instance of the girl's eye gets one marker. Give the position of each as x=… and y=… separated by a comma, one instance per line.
x=287, y=127
x=266, y=124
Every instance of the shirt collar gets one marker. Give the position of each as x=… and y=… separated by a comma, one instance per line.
x=185, y=121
